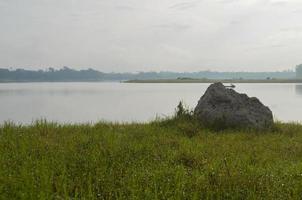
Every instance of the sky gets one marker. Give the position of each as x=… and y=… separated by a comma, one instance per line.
x=151, y=35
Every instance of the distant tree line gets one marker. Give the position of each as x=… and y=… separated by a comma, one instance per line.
x=299, y=71
x=68, y=74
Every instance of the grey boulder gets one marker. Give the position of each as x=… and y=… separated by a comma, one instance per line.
x=220, y=106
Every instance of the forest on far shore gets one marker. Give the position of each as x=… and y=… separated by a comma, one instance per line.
x=69, y=74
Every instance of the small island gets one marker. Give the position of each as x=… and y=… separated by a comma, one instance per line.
x=206, y=80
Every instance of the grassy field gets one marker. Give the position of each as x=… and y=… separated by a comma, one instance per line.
x=204, y=80
x=174, y=158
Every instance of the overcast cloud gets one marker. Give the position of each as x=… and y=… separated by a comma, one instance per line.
x=145, y=35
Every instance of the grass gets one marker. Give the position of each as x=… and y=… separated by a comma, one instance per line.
x=174, y=158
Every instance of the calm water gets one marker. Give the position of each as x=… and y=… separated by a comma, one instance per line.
x=91, y=102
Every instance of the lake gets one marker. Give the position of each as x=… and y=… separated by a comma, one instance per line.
x=122, y=102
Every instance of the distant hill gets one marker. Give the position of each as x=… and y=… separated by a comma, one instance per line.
x=68, y=74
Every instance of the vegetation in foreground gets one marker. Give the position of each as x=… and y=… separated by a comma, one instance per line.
x=174, y=158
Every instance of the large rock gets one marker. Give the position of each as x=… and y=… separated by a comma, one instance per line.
x=220, y=106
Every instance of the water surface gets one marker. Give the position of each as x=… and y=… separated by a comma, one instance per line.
x=122, y=102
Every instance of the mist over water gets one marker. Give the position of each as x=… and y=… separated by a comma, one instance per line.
x=121, y=102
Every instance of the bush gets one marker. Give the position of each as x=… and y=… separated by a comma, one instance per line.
x=183, y=111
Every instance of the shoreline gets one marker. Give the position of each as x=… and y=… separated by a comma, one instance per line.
x=216, y=80
x=170, y=81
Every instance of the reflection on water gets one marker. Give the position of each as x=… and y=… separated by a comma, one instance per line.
x=91, y=102
x=28, y=92
x=298, y=88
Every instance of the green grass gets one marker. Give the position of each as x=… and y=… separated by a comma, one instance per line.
x=166, y=159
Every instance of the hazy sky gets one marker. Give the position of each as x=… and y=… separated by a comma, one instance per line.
x=144, y=35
